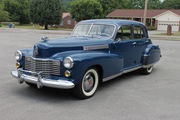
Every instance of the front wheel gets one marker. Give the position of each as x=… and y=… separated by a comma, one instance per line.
x=88, y=85
x=147, y=70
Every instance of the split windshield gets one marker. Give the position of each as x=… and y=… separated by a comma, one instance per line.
x=94, y=30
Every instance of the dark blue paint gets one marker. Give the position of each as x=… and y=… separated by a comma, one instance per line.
x=120, y=56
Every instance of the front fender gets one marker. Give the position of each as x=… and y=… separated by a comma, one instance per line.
x=152, y=54
x=110, y=63
x=25, y=52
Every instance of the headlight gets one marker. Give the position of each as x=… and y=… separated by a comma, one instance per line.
x=68, y=62
x=18, y=55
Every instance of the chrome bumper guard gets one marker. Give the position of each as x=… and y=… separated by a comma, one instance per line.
x=39, y=81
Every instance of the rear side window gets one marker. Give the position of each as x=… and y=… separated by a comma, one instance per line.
x=138, y=32
x=124, y=33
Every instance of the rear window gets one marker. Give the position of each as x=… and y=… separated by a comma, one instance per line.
x=138, y=32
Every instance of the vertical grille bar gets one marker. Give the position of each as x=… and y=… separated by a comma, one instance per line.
x=46, y=66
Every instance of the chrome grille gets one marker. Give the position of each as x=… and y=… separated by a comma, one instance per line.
x=46, y=66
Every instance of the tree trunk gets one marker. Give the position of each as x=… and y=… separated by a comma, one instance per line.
x=46, y=26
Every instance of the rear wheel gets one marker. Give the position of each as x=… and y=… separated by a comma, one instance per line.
x=88, y=85
x=147, y=70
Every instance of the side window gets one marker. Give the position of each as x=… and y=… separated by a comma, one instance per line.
x=138, y=32
x=124, y=33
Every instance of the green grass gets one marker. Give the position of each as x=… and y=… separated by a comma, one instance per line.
x=31, y=26
x=173, y=34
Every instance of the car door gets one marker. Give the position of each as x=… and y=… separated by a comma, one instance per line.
x=141, y=41
x=124, y=45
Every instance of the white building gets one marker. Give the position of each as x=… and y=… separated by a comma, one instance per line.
x=160, y=19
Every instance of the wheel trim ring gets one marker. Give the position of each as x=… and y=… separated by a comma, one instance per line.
x=90, y=93
x=149, y=69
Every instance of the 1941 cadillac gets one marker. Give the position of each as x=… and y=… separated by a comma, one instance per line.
x=97, y=51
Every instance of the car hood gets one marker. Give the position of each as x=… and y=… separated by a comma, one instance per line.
x=50, y=47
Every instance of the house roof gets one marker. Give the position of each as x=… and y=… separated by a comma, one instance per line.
x=65, y=14
x=139, y=13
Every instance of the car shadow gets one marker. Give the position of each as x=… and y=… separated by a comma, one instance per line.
x=58, y=95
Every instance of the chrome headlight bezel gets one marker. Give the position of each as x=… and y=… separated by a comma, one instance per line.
x=68, y=63
x=18, y=55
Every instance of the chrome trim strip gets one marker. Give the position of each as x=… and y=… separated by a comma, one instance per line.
x=123, y=72
x=63, y=84
x=95, y=47
x=42, y=59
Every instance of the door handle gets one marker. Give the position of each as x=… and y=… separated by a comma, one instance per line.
x=134, y=43
x=147, y=41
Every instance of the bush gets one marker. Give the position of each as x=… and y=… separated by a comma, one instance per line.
x=151, y=27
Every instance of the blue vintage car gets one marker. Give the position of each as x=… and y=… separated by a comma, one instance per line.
x=97, y=51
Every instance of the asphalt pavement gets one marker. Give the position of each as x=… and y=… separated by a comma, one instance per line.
x=129, y=97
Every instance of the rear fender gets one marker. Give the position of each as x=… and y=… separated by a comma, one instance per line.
x=152, y=55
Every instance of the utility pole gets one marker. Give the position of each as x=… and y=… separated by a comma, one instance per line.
x=145, y=11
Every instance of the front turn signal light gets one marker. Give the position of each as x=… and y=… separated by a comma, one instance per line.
x=67, y=73
x=18, y=65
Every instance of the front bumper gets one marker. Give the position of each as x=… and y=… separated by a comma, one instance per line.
x=37, y=79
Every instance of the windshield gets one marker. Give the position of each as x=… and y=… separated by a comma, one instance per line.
x=94, y=30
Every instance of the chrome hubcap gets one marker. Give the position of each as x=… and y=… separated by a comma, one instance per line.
x=89, y=82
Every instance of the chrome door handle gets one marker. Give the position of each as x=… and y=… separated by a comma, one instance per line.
x=134, y=43
x=147, y=41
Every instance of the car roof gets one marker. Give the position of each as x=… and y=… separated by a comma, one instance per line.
x=117, y=22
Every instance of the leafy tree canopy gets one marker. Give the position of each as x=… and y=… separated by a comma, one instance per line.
x=171, y=4
x=152, y=4
x=46, y=12
x=86, y=9
x=18, y=10
x=109, y=5
x=4, y=15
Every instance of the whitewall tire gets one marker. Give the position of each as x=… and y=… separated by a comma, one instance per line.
x=88, y=85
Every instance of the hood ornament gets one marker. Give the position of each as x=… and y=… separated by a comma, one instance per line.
x=44, y=39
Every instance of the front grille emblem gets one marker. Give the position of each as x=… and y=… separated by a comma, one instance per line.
x=36, y=51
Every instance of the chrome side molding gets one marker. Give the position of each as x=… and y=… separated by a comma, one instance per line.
x=95, y=47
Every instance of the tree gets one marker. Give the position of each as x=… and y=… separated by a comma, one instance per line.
x=46, y=12
x=18, y=10
x=109, y=5
x=23, y=12
x=171, y=4
x=86, y=9
x=152, y=4
x=4, y=15
x=66, y=5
